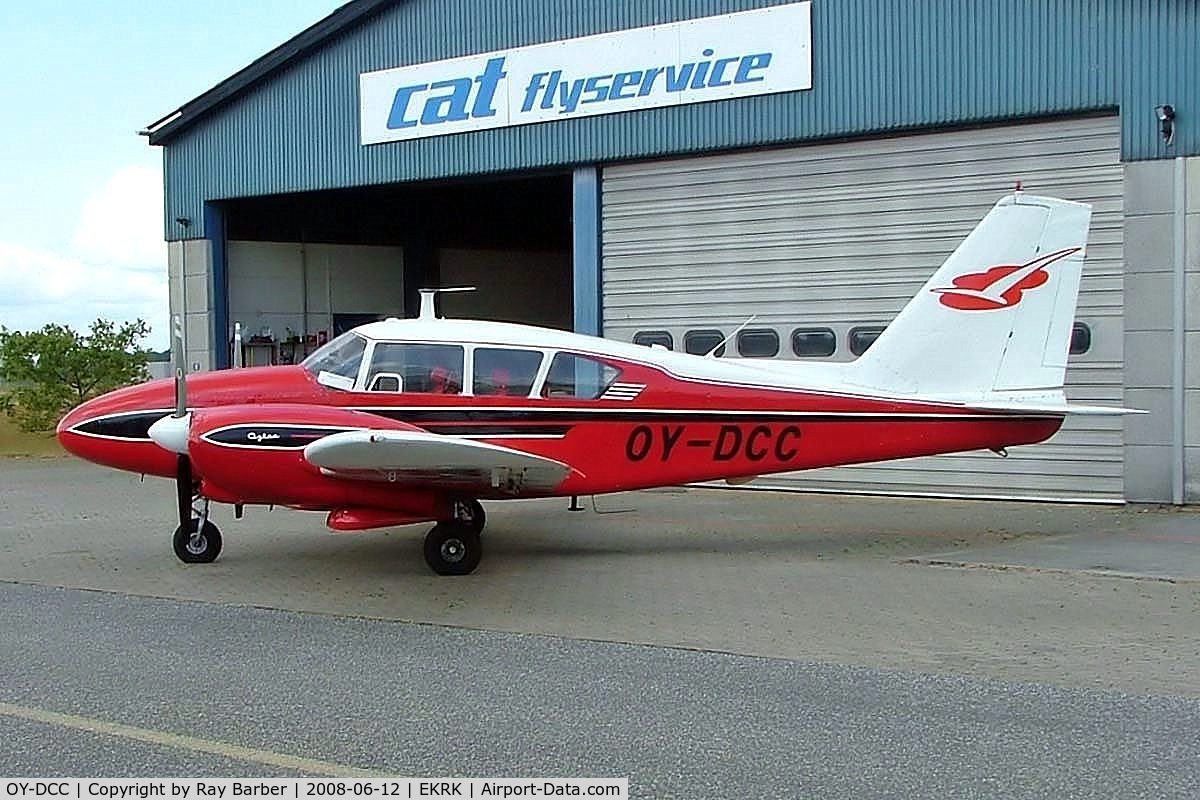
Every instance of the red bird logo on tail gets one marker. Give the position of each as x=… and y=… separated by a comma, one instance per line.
x=1000, y=286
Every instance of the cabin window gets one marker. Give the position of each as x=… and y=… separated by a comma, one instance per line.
x=814, y=342
x=336, y=364
x=652, y=338
x=505, y=373
x=862, y=337
x=1081, y=338
x=578, y=377
x=702, y=342
x=758, y=343
x=419, y=368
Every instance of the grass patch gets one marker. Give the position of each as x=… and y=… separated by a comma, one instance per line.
x=15, y=442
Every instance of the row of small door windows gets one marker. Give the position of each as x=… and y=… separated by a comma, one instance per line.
x=806, y=342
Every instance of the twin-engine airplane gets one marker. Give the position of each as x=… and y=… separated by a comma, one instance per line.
x=408, y=421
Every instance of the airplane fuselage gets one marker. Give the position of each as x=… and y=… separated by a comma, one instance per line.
x=662, y=419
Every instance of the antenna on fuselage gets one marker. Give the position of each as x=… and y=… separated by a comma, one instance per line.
x=429, y=296
x=736, y=331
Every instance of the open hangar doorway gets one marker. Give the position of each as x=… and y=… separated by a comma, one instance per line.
x=301, y=268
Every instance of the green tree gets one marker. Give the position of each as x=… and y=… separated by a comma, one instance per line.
x=51, y=370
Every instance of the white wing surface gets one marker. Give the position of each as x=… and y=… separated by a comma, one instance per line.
x=430, y=459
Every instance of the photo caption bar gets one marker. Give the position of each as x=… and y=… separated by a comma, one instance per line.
x=300, y=788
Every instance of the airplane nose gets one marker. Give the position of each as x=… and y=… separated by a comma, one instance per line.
x=76, y=416
x=171, y=433
x=113, y=430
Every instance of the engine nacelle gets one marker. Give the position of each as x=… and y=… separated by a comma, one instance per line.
x=254, y=454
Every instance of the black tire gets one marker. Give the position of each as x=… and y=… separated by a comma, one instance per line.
x=206, y=549
x=452, y=549
x=469, y=512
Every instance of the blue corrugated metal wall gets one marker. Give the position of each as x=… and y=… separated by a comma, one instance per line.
x=878, y=65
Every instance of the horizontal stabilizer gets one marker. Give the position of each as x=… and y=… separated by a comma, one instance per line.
x=1050, y=408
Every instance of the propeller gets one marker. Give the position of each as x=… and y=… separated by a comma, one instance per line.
x=180, y=369
x=183, y=489
x=171, y=432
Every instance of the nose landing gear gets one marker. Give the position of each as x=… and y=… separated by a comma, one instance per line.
x=197, y=544
x=200, y=541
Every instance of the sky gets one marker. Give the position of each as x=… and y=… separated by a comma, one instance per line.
x=81, y=219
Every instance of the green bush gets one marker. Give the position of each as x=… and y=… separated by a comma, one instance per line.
x=54, y=369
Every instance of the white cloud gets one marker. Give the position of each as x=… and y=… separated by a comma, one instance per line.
x=115, y=267
x=37, y=287
x=122, y=223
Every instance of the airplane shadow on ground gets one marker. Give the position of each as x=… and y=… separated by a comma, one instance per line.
x=398, y=551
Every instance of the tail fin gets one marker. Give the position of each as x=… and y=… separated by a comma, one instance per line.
x=996, y=318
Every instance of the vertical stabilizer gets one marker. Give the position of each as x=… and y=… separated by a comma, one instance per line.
x=997, y=315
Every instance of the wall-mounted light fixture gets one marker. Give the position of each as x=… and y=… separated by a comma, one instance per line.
x=1166, y=122
x=185, y=222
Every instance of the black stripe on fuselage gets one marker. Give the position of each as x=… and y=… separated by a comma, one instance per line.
x=132, y=427
x=270, y=436
x=483, y=429
x=433, y=417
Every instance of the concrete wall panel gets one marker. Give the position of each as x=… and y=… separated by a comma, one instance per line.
x=1153, y=428
x=1147, y=359
x=1147, y=473
x=1148, y=301
x=1192, y=474
x=1193, y=186
x=1148, y=245
x=1148, y=188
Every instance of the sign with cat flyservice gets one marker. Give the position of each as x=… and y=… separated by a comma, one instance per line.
x=765, y=51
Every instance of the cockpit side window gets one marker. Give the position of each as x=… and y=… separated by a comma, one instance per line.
x=420, y=368
x=336, y=364
x=505, y=372
x=578, y=377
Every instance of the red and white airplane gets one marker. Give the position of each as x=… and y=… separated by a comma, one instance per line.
x=408, y=421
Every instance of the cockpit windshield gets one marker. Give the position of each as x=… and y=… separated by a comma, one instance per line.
x=337, y=362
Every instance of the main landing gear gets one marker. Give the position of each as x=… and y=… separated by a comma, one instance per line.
x=200, y=541
x=454, y=546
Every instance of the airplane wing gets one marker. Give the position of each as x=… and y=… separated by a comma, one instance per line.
x=420, y=457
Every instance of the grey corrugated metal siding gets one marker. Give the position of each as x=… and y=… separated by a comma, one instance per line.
x=841, y=235
x=877, y=66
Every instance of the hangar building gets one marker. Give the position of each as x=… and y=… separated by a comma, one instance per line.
x=662, y=170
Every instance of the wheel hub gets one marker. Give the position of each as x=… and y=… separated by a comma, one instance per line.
x=453, y=551
x=197, y=544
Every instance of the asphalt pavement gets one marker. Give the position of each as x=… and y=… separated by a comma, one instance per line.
x=805, y=577
x=419, y=700
x=702, y=643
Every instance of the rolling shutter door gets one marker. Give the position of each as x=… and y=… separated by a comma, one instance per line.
x=841, y=235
